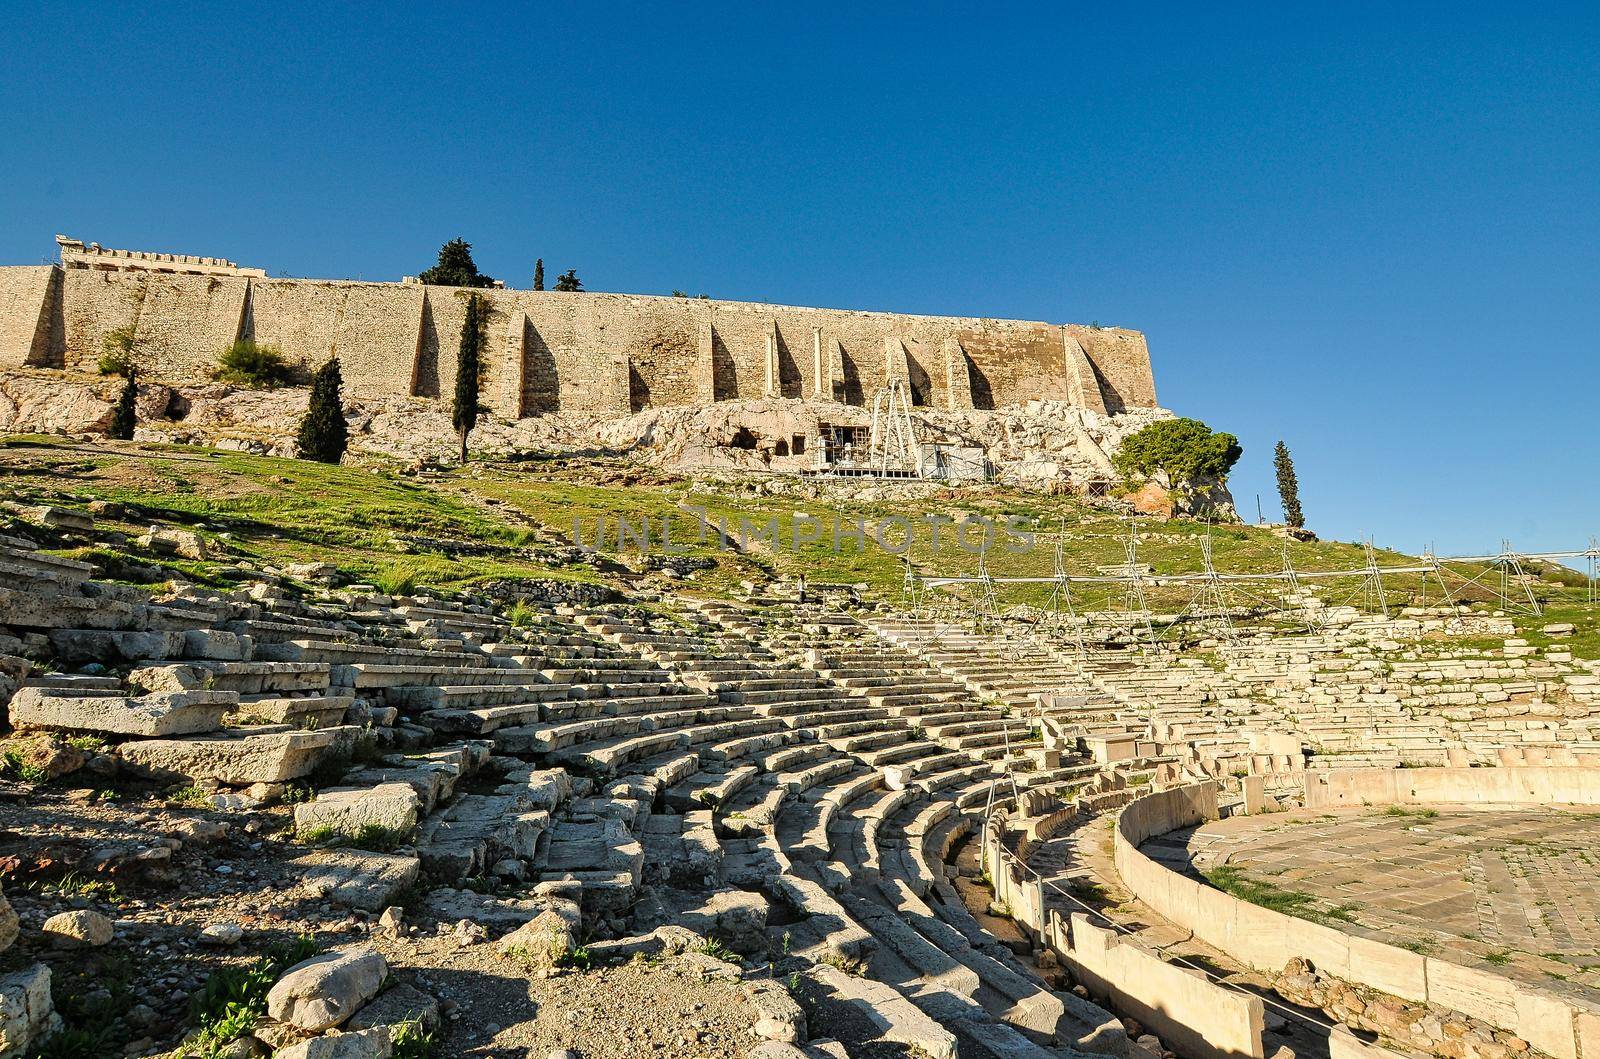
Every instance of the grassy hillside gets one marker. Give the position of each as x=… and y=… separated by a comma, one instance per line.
x=452, y=528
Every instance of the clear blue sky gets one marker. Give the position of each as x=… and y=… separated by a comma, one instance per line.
x=1372, y=230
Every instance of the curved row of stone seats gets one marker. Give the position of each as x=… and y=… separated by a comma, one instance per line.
x=1015, y=670
x=923, y=956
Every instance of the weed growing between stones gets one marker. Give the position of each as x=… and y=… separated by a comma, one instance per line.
x=409, y=1040
x=231, y=1002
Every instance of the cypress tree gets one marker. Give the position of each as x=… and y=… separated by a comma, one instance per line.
x=538, y=274
x=464, y=413
x=126, y=416
x=1288, y=487
x=323, y=434
x=456, y=267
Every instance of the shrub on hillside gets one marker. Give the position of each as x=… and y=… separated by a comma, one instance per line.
x=250, y=363
x=1184, y=450
x=116, y=352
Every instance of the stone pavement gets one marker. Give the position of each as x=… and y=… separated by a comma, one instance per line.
x=1515, y=886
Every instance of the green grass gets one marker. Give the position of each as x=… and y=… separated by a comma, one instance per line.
x=233, y=1000
x=1232, y=880
x=374, y=838
x=410, y=1041
x=14, y=766
x=514, y=519
x=1418, y=814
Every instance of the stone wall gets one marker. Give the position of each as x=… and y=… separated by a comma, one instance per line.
x=27, y=297
x=550, y=351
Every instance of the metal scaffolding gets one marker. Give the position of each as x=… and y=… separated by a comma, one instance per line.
x=1215, y=597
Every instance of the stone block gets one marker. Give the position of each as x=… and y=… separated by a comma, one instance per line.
x=358, y=878
x=346, y=811
x=271, y=757
x=363, y=1044
x=324, y=991
x=76, y=646
x=27, y=1013
x=165, y=713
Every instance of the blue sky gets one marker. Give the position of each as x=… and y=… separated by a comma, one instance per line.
x=1372, y=230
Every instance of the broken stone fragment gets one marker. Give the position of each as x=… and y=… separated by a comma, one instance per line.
x=182, y=543
x=547, y=939
x=27, y=1013
x=778, y=1016
x=164, y=713
x=364, y=1044
x=324, y=991
x=737, y=918
x=44, y=757
x=8, y=923
x=81, y=929
x=348, y=811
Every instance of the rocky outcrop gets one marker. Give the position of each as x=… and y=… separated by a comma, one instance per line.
x=1038, y=444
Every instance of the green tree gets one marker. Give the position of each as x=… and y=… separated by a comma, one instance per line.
x=569, y=281
x=323, y=433
x=1288, y=487
x=456, y=267
x=538, y=274
x=126, y=416
x=464, y=413
x=1185, y=450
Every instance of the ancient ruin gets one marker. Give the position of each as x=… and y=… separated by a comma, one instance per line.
x=554, y=351
x=794, y=821
x=265, y=790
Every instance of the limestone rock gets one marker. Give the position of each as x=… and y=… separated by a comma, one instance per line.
x=27, y=1013
x=347, y=811
x=358, y=878
x=46, y=756
x=547, y=938
x=270, y=757
x=8, y=923
x=363, y=1044
x=778, y=1016
x=737, y=918
x=165, y=713
x=324, y=991
x=183, y=543
x=80, y=929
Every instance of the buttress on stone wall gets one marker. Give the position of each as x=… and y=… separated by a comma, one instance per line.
x=551, y=351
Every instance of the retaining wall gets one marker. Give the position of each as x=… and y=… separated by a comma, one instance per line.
x=1190, y=1013
x=548, y=350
